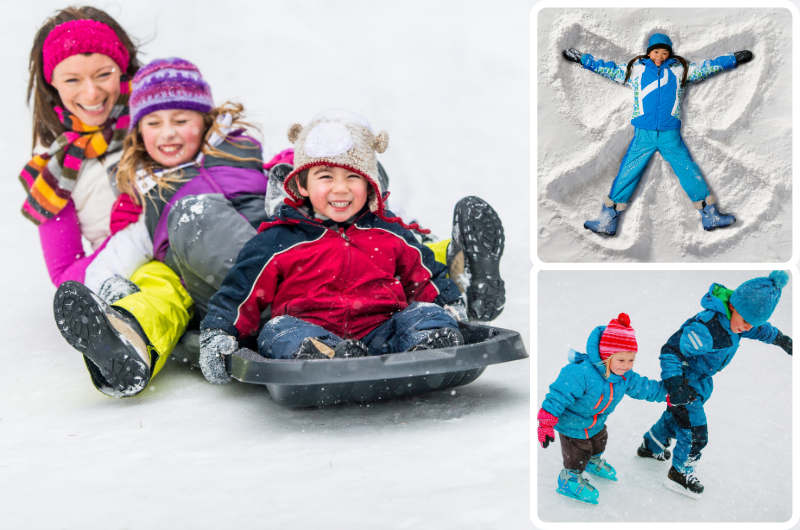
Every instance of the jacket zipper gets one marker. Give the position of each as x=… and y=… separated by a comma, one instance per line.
x=658, y=105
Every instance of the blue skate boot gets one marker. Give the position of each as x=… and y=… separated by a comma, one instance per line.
x=571, y=484
x=712, y=219
x=605, y=223
x=600, y=468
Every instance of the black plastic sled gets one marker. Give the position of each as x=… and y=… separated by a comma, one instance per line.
x=293, y=383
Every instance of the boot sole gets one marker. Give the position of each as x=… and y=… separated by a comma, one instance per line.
x=482, y=242
x=86, y=325
x=677, y=488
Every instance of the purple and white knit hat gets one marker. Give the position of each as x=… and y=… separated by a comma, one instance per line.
x=166, y=84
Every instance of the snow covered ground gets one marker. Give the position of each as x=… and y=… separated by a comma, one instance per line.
x=746, y=466
x=737, y=125
x=449, y=81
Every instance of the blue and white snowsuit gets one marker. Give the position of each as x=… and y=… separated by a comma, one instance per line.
x=657, y=120
x=581, y=398
x=702, y=347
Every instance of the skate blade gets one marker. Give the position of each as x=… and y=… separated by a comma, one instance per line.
x=593, y=503
x=677, y=488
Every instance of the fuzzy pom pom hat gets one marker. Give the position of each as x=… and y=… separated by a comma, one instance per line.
x=340, y=138
x=756, y=299
x=81, y=36
x=618, y=336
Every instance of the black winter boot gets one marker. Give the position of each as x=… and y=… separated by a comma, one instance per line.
x=684, y=484
x=116, y=350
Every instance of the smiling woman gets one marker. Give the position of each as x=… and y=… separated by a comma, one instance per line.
x=88, y=85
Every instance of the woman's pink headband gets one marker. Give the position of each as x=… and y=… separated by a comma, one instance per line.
x=82, y=36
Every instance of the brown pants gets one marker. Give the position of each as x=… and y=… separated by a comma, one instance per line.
x=577, y=452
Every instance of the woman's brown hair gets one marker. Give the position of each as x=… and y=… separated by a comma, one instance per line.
x=46, y=125
x=677, y=57
x=135, y=156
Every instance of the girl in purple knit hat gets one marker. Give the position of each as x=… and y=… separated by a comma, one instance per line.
x=181, y=158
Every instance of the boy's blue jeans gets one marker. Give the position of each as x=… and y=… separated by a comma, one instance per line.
x=687, y=424
x=641, y=149
x=281, y=337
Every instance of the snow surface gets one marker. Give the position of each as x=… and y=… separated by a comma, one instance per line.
x=746, y=466
x=449, y=81
x=736, y=124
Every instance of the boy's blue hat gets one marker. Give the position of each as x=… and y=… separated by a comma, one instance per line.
x=756, y=299
x=659, y=40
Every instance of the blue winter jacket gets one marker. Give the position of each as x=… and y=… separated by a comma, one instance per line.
x=581, y=398
x=657, y=90
x=705, y=344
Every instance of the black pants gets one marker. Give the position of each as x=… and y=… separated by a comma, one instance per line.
x=577, y=452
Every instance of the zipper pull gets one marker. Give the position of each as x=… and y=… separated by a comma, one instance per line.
x=341, y=233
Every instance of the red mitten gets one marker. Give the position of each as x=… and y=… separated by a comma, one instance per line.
x=123, y=213
x=546, y=423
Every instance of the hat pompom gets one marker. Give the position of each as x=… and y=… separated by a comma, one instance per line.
x=294, y=132
x=624, y=319
x=779, y=278
x=381, y=142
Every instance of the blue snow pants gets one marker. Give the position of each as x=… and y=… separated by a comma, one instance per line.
x=642, y=147
x=281, y=337
x=687, y=424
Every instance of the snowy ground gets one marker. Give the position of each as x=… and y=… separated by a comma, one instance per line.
x=736, y=124
x=449, y=81
x=746, y=466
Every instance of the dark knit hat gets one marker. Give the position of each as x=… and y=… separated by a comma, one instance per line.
x=756, y=299
x=618, y=336
x=659, y=40
x=167, y=84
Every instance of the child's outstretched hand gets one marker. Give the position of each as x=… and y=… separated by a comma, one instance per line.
x=573, y=55
x=743, y=56
x=784, y=342
x=546, y=423
x=677, y=392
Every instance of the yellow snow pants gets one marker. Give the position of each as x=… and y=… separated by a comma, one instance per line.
x=162, y=307
x=439, y=250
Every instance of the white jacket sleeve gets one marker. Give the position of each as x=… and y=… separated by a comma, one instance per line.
x=126, y=251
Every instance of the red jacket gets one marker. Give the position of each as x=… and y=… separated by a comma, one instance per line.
x=348, y=281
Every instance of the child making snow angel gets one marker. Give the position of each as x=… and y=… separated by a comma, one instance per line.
x=702, y=347
x=172, y=121
x=586, y=392
x=658, y=80
x=343, y=276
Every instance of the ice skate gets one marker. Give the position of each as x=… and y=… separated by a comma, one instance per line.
x=684, y=484
x=115, y=348
x=474, y=258
x=644, y=452
x=574, y=486
x=600, y=468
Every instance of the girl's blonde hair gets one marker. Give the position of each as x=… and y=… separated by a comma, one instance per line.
x=135, y=156
x=607, y=362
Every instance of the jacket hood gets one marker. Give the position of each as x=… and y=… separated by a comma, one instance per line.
x=592, y=355
x=712, y=302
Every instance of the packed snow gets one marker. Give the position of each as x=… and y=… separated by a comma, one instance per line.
x=746, y=467
x=736, y=124
x=448, y=80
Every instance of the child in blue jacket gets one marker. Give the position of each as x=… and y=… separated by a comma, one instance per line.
x=587, y=390
x=702, y=347
x=658, y=80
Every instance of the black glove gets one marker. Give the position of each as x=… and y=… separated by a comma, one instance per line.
x=573, y=55
x=743, y=56
x=678, y=392
x=784, y=342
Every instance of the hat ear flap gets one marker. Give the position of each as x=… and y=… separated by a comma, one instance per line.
x=381, y=142
x=294, y=132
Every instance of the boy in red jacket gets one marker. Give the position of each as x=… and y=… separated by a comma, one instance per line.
x=342, y=276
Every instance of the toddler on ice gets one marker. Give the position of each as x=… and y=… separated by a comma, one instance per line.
x=343, y=277
x=586, y=392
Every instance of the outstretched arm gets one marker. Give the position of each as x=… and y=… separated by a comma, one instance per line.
x=700, y=71
x=598, y=66
x=769, y=334
x=640, y=387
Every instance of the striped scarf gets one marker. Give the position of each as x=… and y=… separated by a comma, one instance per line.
x=50, y=177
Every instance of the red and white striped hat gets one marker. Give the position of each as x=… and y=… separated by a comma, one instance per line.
x=618, y=336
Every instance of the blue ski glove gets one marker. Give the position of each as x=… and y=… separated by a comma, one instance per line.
x=677, y=392
x=784, y=342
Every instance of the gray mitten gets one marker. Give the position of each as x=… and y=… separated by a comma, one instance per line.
x=116, y=288
x=215, y=344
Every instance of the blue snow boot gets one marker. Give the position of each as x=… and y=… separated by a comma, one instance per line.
x=605, y=223
x=571, y=484
x=713, y=219
x=599, y=467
